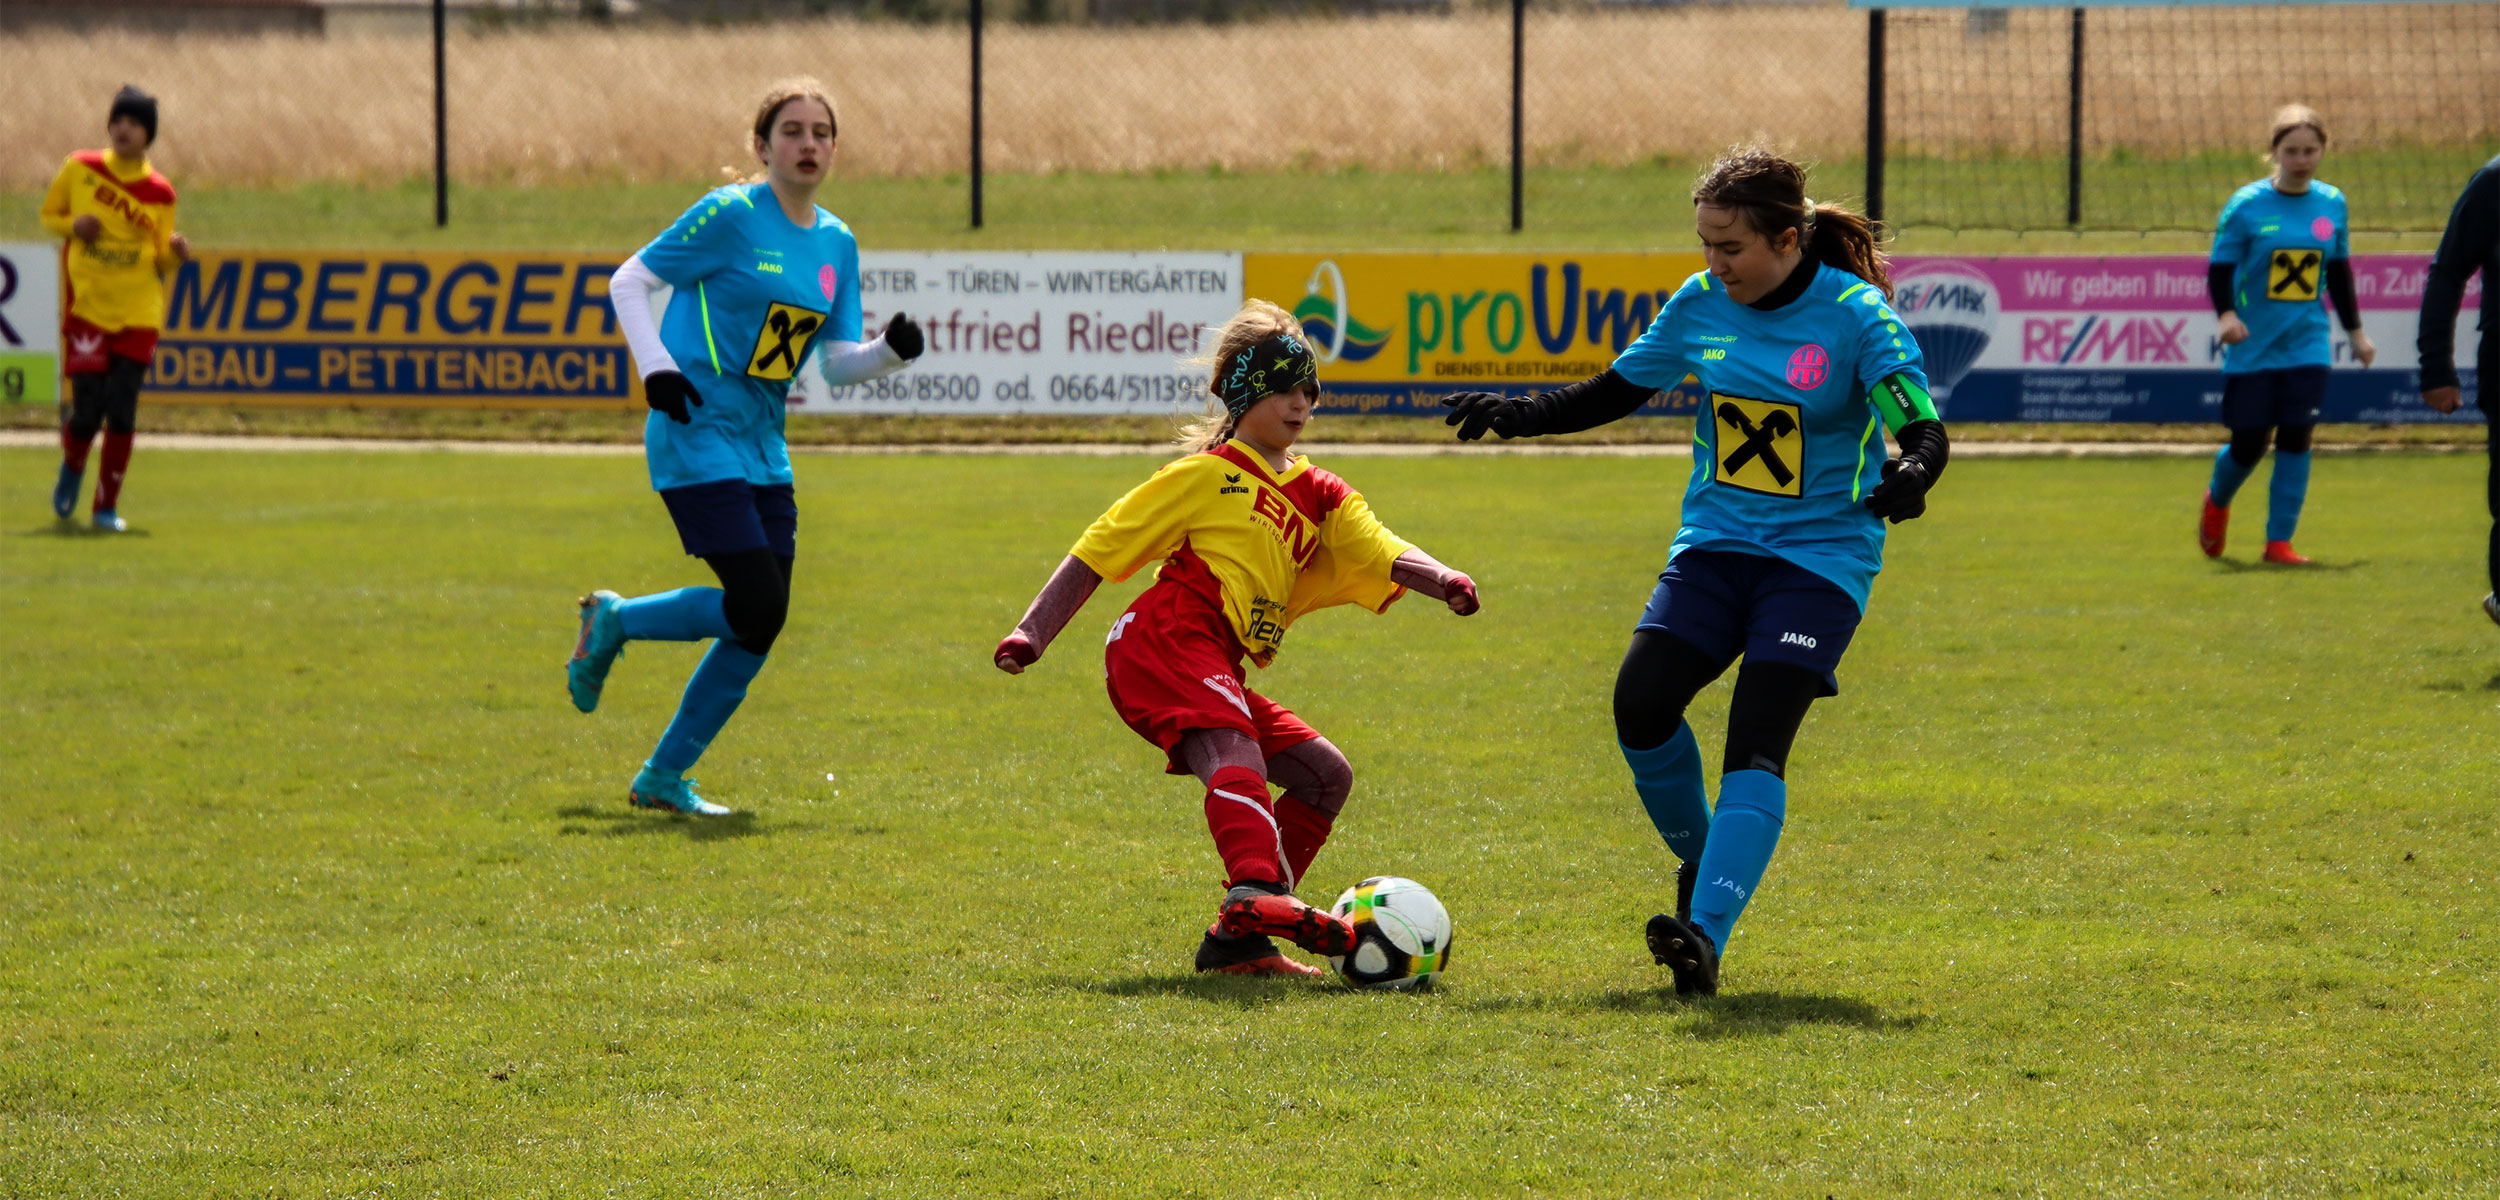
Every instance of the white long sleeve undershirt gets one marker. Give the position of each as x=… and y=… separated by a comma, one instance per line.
x=629, y=293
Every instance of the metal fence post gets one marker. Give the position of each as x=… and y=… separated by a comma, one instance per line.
x=1875, y=114
x=442, y=153
x=2074, y=121
x=976, y=114
x=1518, y=68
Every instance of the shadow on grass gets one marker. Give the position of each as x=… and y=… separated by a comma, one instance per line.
x=77, y=529
x=1236, y=990
x=2235, y=566
x=1728, y=1015
x=580, y=819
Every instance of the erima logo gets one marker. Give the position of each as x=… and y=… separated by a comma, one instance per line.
x=84, y=344
x=1232, y=487
x=1796, y=639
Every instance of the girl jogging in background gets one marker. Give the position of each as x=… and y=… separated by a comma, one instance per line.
x=2279, y=241
x=761, y=276
x=1792, y=336
x=1250, y=538
x=114, y=213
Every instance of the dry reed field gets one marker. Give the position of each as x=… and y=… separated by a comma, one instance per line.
x=580, y=104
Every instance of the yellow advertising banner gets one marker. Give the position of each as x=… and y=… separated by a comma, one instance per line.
x=433, y=329
x=1397, y=332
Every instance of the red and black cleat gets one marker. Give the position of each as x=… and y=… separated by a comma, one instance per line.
x=1246, y=956
x=1252, y=909
x=2211, y=526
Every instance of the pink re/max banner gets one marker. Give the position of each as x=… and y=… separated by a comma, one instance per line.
x=2168, y=283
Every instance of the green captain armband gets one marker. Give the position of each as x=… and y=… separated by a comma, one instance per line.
x=1902, y=401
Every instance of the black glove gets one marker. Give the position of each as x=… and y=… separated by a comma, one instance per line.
x=902, y=336
x=669, y=392
x=1475, y=412
x=1903, y=493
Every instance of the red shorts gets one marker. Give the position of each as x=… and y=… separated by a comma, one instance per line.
x=1172, y=665
x=89, y=349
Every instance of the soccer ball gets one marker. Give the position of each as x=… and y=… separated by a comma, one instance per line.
x=1401, y=934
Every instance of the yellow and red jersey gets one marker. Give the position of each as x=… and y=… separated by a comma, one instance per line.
x=117, y=281
x=1265, y=547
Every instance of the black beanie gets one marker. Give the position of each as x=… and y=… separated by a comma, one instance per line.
x=138, y=106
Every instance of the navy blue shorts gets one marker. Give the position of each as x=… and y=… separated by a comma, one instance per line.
x=1728, y=603
x=730, y=515
x=2268, y=399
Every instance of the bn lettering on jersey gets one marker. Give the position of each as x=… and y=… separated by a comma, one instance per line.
x=1297, y=535
x=1760, y=445
x=2293, y=275
x=782, y=343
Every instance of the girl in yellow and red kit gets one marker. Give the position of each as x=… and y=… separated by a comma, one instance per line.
x=1250, y=538
x=114, y=214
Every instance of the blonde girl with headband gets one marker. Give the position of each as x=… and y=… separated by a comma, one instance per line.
x=1249, y=538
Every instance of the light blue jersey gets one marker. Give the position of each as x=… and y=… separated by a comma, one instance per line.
x=753, y=293
x=1792, y=441
x=2278, y=245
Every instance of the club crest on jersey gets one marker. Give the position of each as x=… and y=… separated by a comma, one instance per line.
x=783, y=341
x=1809, y=367
x=1760, y=445
x=2293, y=275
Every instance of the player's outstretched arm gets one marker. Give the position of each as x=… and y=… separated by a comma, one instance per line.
x=1053, y=607
x=1417, y=571
x=1592, y=402
x=1903, y=403
x=664, y=387
x=846, y=363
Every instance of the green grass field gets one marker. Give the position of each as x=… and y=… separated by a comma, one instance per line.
x=1617, y=208
x=2112, y=871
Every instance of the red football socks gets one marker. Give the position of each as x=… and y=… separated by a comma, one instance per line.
x=108, y=485
x=1243, y=821
x=74, y=448
x=1305, y=830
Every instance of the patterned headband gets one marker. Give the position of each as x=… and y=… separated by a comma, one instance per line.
x=1280, y=363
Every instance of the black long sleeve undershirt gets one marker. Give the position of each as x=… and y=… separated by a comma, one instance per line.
x=1587, y=404
x=1926, y=442
x=2339, y=288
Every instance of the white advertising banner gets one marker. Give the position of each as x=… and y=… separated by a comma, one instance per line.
x=1040, y=332
x=30, y=322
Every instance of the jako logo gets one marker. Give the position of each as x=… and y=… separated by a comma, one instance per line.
x=1796, y=639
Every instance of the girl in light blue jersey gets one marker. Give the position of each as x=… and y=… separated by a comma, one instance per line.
x=2280, y=240
x=1794, y=341
x=762, y=278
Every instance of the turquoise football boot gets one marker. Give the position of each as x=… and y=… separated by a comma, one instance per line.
x=602, y=639
x=65, y=492
x=108, y=521
x=656, y=789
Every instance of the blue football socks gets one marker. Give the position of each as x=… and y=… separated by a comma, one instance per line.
x=719, y=684
x=690, y=614
x=1668, y=778
x=1743, y=833
x=2288, y=490
x=2228, y=476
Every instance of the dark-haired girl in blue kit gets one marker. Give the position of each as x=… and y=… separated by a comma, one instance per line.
x=761, y=276
x=1793, y=337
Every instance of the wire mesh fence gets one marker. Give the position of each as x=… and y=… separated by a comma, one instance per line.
x=1296, y=124
x=2146, y=118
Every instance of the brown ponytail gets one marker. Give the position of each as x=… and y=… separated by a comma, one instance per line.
x=1771, y=193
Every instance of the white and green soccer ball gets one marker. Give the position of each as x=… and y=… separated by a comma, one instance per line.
x=1401, y=934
